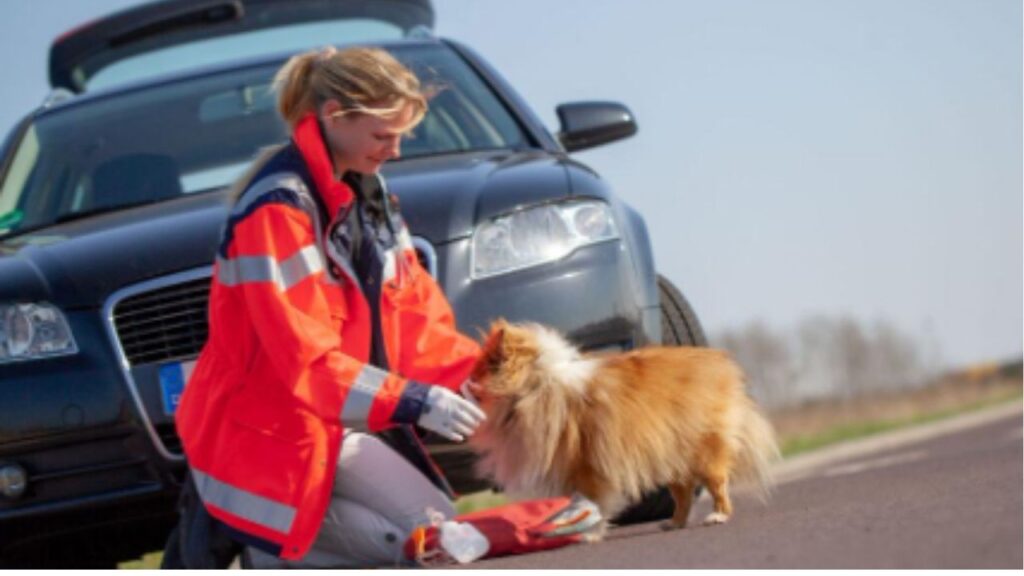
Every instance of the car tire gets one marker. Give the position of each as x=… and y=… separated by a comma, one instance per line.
x=679, y=327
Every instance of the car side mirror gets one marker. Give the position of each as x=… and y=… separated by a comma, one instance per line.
x=588, y=124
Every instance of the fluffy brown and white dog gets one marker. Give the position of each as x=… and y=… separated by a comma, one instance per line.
x=612, y=427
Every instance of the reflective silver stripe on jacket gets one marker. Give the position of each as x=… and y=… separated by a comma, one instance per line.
x=244, y=504
x=276, y=181
x=403, y=239
x=395, y=257
x=390, y=264
x=284, y=274
x=361, y=395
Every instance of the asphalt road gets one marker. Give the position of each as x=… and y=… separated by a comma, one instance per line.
x=947, y=495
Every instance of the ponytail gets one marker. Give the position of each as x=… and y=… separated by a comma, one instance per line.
x=293, y=83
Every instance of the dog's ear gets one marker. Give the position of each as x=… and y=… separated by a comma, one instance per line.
x=494, y=348
x=492, y=351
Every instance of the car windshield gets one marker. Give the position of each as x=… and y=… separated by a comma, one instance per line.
x=186, y=137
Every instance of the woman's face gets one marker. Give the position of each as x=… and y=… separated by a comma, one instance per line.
x=363, y=142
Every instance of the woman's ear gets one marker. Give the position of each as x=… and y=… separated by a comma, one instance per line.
x=329, y=110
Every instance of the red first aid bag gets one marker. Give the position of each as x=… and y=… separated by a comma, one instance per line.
x=516, y=528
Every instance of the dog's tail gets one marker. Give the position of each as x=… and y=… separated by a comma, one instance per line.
x=758, y=450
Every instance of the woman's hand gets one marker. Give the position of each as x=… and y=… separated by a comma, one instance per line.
x=450, y=415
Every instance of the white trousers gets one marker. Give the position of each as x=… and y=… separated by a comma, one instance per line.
x=377, y=501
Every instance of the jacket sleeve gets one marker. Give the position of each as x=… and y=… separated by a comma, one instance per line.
x=275, y=264
x=431, y=348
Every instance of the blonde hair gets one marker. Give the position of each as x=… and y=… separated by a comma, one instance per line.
x=363, y=80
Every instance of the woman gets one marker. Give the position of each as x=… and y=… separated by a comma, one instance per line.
x=322, y=324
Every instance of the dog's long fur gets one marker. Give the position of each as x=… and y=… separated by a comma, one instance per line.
x=616, y=426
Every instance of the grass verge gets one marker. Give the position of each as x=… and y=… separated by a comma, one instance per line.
x=799, y=443
x=150, y=561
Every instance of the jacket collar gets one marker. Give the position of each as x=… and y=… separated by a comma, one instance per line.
x=310, y=142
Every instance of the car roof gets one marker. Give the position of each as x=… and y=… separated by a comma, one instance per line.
x=156, y=27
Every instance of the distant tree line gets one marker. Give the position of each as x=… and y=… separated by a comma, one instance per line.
x=828, y=357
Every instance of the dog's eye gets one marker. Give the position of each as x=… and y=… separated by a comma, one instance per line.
x=507, y=420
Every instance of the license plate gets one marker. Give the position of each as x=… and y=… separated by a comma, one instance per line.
x=173, y=377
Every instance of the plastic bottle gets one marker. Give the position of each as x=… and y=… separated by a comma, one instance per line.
x=462, y=541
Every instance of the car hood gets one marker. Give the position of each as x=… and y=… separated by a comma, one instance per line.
x=79, y=264
x=442, y=198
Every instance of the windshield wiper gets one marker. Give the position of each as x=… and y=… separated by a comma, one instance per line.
x=25, y=230
x=69, y=216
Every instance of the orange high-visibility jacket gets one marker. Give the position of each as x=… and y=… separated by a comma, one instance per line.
x=287, y=363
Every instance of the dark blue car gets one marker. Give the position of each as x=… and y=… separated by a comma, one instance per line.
x=113, y=194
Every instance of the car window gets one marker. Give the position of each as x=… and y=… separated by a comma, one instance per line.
x=14, y=185
x=191, y=136
x=278, y=40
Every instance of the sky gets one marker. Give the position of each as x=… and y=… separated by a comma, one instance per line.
x=794, y=158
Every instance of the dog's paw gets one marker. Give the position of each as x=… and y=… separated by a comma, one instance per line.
x=716, y=518
x=669, y=525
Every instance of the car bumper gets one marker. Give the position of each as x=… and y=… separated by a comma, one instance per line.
x=69, y=422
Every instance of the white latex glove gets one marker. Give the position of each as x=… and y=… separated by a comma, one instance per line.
x=450, y=415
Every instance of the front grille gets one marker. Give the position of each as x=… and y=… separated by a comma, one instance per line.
x=165, y=324
x=169, y=436
x=170, y=323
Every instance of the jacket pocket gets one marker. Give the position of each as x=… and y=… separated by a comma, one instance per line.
x=336, y=304
x=273, y=415
x=269, y=446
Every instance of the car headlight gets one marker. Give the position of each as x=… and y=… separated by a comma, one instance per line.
x=31, y=331
x=539, y=235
